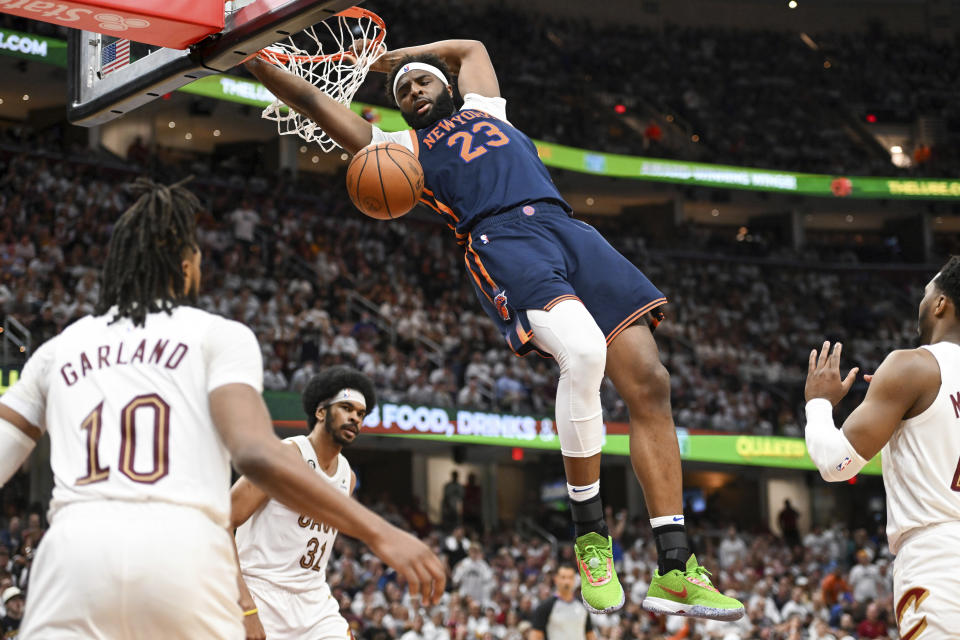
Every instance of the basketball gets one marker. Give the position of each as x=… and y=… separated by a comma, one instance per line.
x=384, y=180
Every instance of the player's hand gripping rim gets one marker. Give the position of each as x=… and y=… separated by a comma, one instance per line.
x=412, y=559
x=823, y=375
x=359, y=47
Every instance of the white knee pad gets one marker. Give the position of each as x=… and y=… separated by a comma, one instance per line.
x=570, y=334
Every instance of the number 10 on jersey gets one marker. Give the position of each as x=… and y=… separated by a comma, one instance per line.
x=93, y=425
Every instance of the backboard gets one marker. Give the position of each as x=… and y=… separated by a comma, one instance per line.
x=100, y=88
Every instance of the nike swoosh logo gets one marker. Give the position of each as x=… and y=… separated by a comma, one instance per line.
x=677, y=518
x=580, y=490
x=679, y=594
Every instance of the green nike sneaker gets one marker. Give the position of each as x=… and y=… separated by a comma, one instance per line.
x=690, y=593
x=599, y=586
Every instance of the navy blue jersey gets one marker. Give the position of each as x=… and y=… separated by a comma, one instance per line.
x=476, y=165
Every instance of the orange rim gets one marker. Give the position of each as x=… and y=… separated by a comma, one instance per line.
x=352, y=12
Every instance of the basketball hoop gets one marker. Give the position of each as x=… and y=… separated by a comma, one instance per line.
x=335, y=59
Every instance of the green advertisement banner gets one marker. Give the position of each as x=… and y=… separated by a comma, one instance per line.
x=31, y=47
x=234, y=89
x=529, y=432
x=224, y=87
x=636, y=167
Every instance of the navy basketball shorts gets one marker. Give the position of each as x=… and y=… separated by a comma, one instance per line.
x=536, y=256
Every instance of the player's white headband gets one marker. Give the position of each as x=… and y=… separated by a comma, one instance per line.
x=417, y=66
x=346, y=395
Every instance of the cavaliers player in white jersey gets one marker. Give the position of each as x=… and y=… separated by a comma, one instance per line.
x=146, y=403
x=284, y=553
x=911, y=412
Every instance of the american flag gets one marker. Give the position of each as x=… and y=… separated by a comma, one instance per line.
x=114, y=56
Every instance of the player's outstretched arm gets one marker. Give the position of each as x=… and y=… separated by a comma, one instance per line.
x=902, y=386
x=467, y=59
x=252, y=627
x=21, y=411
x=17, y=440
x=244, y=424
x=346, y=128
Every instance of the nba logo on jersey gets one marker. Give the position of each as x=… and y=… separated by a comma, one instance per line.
x=484, y=239
x=501, y=302
x=843, y=465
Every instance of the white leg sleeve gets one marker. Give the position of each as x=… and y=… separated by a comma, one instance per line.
x=570, y=334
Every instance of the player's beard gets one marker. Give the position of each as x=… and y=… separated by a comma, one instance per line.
x=334, y=432
x=443, y=107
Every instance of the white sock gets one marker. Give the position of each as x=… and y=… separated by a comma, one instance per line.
x=581, y=494
x=662, y=520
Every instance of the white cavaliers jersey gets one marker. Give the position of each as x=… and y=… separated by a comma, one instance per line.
x=127, y=407
x=287, y=549
x=921, y=462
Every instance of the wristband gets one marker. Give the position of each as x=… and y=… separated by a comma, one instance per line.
x=250, y=613
x=831, y=452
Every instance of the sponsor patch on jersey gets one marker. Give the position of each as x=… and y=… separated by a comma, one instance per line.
x=529, y=211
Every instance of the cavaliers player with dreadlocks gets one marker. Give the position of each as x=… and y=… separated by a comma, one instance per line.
x=146, y=402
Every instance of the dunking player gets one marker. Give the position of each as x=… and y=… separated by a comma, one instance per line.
x=912, y=413
x=284, y=553
x=146, y=402
x=550, y=283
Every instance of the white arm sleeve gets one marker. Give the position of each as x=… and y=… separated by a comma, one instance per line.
x=15, y=448
x=398, y=137
x=232, y=355
x=829, y=449
x=497, y=107
x=28, y=396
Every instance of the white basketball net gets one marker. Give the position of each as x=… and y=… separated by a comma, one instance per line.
x=356, y=32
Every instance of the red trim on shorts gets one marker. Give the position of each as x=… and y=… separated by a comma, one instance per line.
x=558, y=300
x=633, y=317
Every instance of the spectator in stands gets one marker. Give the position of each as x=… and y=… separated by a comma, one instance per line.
x=11, y=536
x=865, y=578
x=13, y=604
x=451, y=504
x=798, y=605
x=274, y=378
x=473, y=577
x=732, y=549
x=301, y=376
x=456, y=545
x=245, y=221
x=872, y=626
x=473, y=503
x=833, y=586
x=470, y=395
x=788, y=519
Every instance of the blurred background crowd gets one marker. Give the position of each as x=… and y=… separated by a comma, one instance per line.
x=832, y=584
x=288, y=255
x=321, y=285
